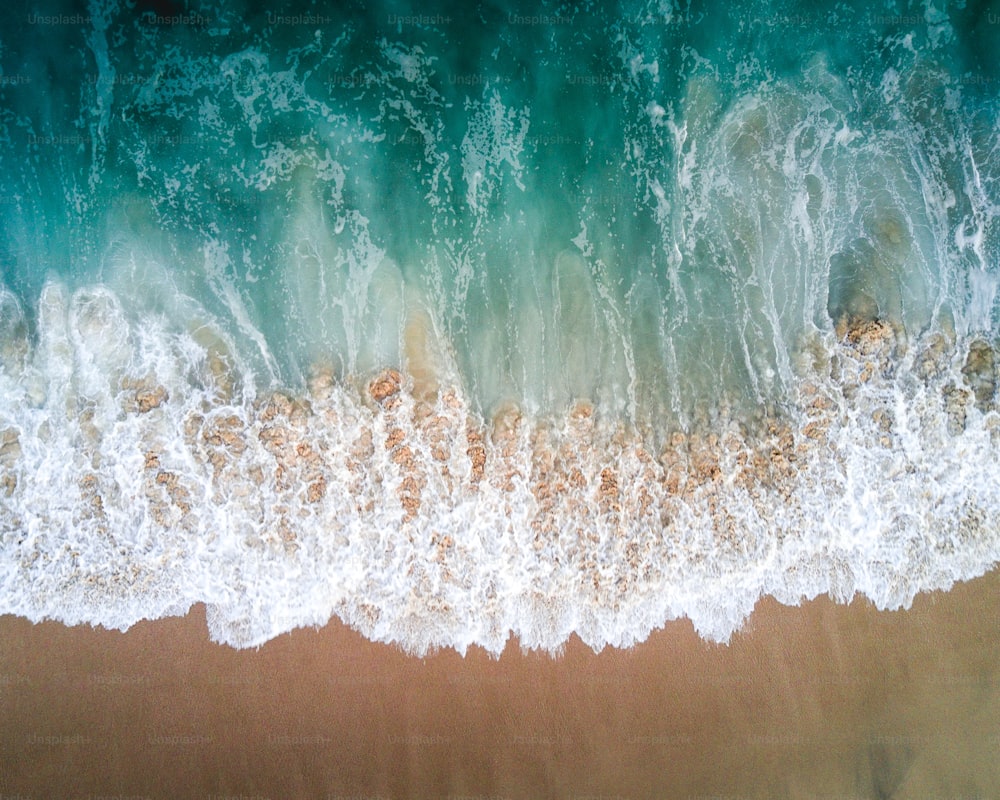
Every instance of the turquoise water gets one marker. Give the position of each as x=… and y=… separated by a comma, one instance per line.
x=663, y=220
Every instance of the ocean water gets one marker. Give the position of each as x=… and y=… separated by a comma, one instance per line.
x=461, y=320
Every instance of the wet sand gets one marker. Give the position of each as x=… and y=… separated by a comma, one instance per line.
x=820, y=701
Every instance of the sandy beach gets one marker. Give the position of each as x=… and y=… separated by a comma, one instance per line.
x=819, y=701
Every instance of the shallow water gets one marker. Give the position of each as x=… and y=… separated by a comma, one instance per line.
x=596, y=319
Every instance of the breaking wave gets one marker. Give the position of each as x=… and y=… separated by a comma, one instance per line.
x=305, y=318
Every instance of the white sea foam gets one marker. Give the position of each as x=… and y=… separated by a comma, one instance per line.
x=495, y=138
x=131, y=492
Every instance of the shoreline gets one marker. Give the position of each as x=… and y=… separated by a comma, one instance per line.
x=401, y=512
x=817, y=701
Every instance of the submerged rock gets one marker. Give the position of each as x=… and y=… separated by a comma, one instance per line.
x=10, y=452
x=869, y=336
x=934, y=357
x=384, y=389
x=226, y=432
x=955, y=405
x=10, y=447
x=143, y=395
x=476, y=451
x=980, y=373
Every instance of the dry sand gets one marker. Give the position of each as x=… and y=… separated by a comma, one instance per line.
x=821, y=701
